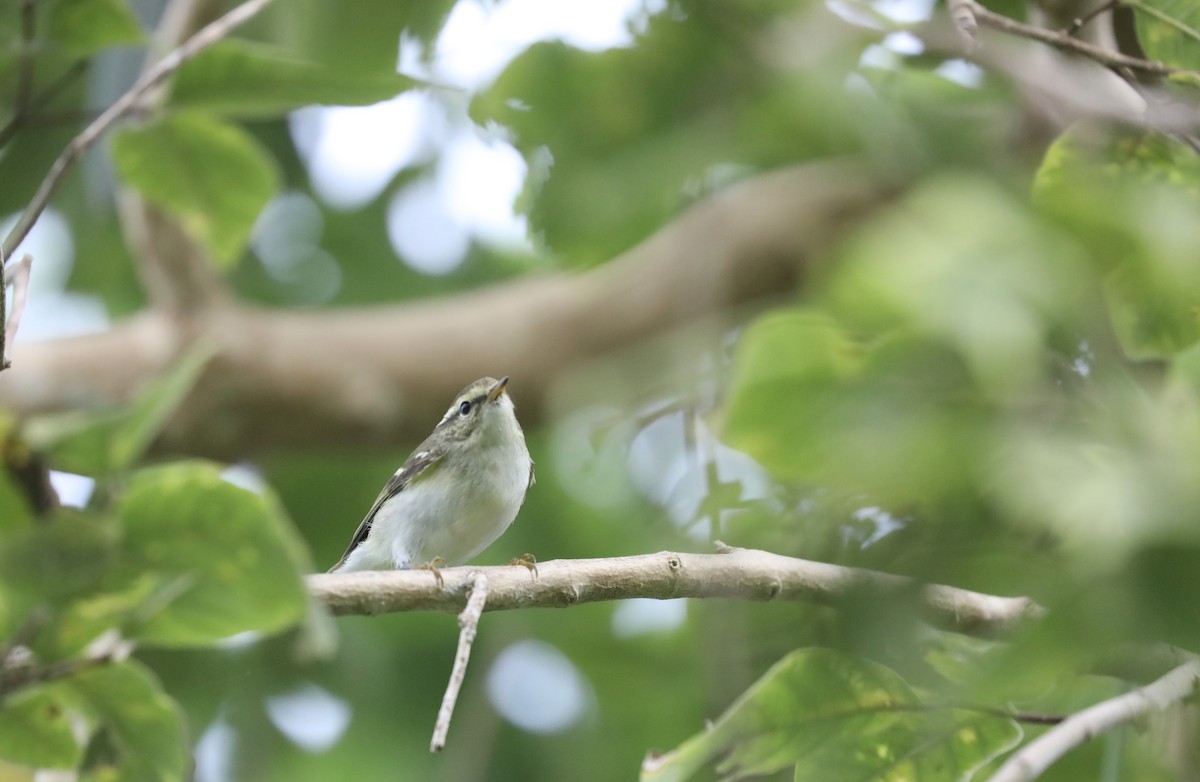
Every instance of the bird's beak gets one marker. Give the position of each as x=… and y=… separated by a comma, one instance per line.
x=495, y=391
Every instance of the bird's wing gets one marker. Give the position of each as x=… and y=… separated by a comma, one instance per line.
x=417, y=465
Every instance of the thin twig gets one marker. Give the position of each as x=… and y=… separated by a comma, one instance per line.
x=24, y=635
x=18, y=275
x=1030, y=717
x=110, y=647
x=1035, y=718
x=28, y=58
x=745, y=574
x=1080, y=22
x=3, y=322
x=171, y=62
x=468, y=621
x=1038, y=755
x=1062, y=41
x=23, y=119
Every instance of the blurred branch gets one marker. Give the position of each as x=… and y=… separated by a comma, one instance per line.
x=745, y=574
x=1038, y=755
x=964, y=21
x=176, y=271
x=1079, y=22
x=468, y=621
x=18, y=276
x=1060, y=88
x=1062, y=40
x=148, y=81
x=19, y=670
x=32, y=114
x=380, y=374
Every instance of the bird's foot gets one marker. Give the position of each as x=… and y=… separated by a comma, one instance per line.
x=527, y=561
x=432, y=566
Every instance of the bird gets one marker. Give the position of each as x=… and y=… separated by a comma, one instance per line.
x=455, y=494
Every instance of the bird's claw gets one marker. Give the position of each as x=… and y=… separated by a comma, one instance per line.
x=527, y=561
x=432, y=566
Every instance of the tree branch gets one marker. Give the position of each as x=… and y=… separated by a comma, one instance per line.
x=1079, y=22
x=19, y=669
x=149, y=80
x=1062, y=40
x=745, y=574
x=1038, y=755
x=18, y=275
x=468, y=621
x=382, y=374
x=178, y=274
x=963, y=14
x=25, y=118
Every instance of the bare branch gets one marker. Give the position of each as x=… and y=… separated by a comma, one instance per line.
x=32, y=115
x=1038, y=755
x=1080, y=22
x=18, y=275
x=149, y=80
x=16, y=675
x=1061, y=40
x=468, y=621
x=745, y=574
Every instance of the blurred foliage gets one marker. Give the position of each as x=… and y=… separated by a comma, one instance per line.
x=1169, y=31
x=186, y=164
x=994, y=382
x=839, y=718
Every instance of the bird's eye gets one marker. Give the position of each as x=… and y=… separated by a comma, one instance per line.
x=464, y=408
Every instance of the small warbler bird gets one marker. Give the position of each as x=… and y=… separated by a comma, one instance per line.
x=456, y=493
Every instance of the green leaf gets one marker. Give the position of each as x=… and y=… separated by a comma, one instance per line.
x=83, y=27
x=35, y=729
x=1155, y=307
x=213, y=176
x=966, y=264
x=1169, y=31
x=838, y=718
x=141, y=724
x=789, y=371
x=359, y=35
x=1185, y=372
x=100, y=444
x=1133, y=197
x=252, y=80
x=67, y=557
x=950, y=746
x=231, y=555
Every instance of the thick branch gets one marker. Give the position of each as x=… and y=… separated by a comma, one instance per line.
x=1038, y=755
x=744, y=574
x=381, y=374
